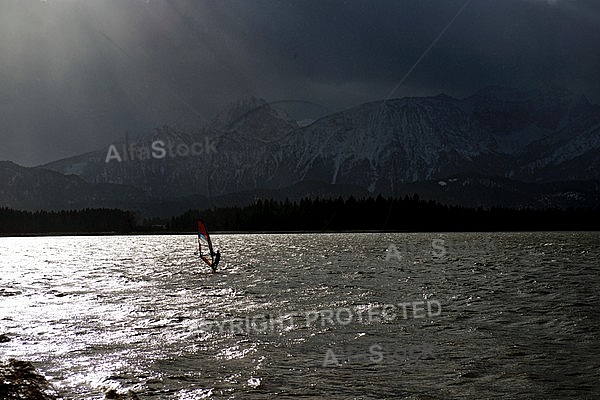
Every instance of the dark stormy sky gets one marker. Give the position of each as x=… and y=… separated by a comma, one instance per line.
x=75, y=75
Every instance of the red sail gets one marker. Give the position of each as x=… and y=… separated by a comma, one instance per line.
x=205, y=249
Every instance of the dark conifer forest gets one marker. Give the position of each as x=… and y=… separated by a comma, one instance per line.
x=310, y=215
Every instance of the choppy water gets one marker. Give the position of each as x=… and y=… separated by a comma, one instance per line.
x=517, y=321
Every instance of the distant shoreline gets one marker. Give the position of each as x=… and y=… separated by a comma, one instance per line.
x=371, y=215
x=216, y=232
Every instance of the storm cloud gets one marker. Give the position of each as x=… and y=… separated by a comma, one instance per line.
x=75, y=75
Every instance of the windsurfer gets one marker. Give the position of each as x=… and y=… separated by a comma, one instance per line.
x=205, y=243
x=216, y=262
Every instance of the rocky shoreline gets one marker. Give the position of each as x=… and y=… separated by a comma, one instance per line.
x=20, y=380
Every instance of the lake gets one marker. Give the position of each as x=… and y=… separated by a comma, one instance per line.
x=337, y=316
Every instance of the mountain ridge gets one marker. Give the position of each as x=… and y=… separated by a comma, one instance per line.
x=531, y=136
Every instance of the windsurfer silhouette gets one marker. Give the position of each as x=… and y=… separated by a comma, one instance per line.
x=205, y=243
x=216, y=262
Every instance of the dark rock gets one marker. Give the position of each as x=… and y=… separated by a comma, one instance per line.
x=4, y=338
x=19, y=380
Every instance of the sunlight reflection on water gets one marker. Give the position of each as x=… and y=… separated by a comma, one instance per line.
x=95, y=313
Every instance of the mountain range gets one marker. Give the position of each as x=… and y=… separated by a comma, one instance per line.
x=499, y=147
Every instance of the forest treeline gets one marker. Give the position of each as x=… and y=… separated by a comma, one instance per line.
x=73, y=221
x=389, y=214
x=327, y=215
